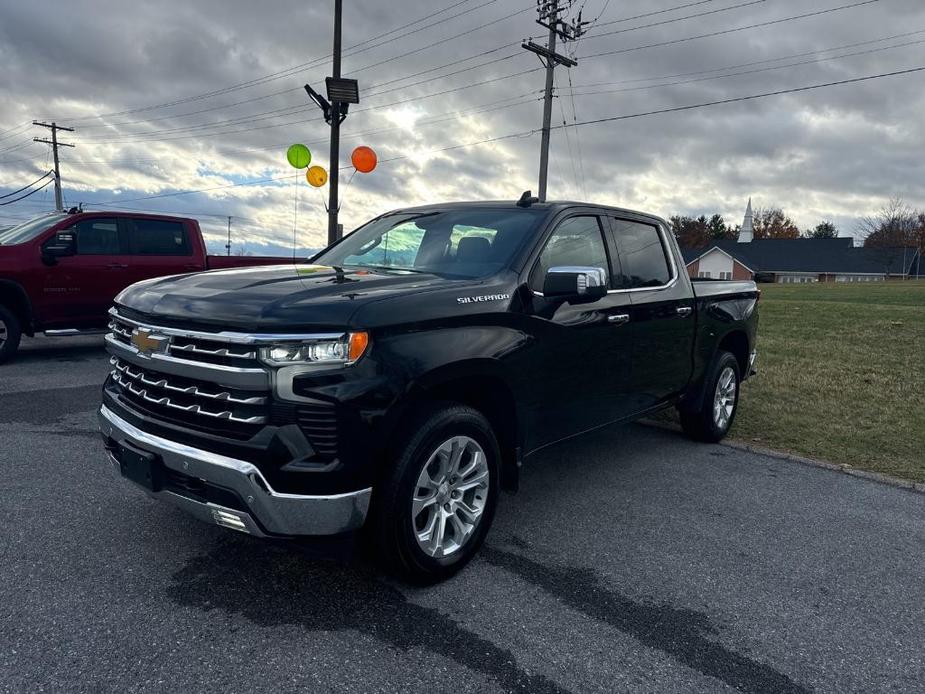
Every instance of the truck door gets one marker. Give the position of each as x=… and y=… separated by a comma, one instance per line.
x=662, y=311
x=77, y=290
x=159, y=247
x=582, y=363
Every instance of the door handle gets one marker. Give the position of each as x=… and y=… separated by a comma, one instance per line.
x=117, y=266
x=684, y=311
x=618, y=318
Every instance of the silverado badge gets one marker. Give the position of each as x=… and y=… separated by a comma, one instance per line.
x=147, y=343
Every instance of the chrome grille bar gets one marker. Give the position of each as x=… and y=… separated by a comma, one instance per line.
x=193, y=409
x=186, y=390
x=220, y=352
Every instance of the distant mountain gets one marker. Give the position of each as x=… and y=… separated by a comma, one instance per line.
x=217, y=247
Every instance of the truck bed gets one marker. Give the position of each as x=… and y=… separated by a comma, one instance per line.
x=705, y=288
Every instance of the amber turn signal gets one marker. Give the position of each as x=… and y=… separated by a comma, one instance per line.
x=358, y=344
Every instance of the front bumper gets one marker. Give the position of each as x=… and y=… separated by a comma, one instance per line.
x=262, y=511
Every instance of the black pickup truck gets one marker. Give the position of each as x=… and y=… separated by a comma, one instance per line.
x=398, y=382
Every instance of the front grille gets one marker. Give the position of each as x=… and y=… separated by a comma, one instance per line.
x=319, y=424
x=218, y=350
x=186, y=399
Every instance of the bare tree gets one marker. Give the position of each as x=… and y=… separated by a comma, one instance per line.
x=894, y=226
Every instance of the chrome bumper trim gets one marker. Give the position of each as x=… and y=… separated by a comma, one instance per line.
x=752, y=358
x=278, y=513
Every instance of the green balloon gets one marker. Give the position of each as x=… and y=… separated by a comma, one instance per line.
x=299, y=156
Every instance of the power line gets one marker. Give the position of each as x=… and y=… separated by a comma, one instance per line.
x=436, y=118
x=750, y=97
x=752, y=63
x=676, y=19
x=315, y=62
x=292, y=110
x=13, y=148
x=731, y=31
x=9, y=132
x=748, y=72
x=6, y=195
x=656, y=12
x=310, y=120
x=31, y=192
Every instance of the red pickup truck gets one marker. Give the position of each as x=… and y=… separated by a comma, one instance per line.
x=60, y=272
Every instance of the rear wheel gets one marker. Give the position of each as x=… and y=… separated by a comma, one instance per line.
x=712, y=421
x=10, y=333
x=432, y=514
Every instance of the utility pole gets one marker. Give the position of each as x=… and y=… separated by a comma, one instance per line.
x=334, y=159
x=549, y=11
x=54, y=127
x=228, y=245
x=341, y=93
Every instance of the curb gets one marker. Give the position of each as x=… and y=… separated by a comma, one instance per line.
x=846, y=469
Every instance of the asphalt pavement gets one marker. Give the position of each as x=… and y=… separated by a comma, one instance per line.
x=630, y=561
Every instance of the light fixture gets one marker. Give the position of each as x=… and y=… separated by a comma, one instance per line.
x=342, y=90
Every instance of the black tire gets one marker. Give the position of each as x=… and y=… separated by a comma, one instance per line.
x=703, y=424
x=10, y=334
x=392, y=525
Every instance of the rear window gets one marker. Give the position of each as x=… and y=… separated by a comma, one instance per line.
x=642, y=255
x=159, y=237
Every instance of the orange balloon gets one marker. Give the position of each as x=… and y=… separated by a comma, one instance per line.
x=364, y=159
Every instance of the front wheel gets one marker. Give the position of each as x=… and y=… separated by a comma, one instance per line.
x=712, y=421
x=10, y=333
x=433, y=512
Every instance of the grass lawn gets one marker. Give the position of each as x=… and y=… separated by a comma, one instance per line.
x=841, y=375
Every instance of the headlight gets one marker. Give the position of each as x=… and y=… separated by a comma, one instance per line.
x=344, y=350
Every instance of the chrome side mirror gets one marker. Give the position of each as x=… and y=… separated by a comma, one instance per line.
x=575, y=282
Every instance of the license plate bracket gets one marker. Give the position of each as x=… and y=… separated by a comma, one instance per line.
x=142, y=467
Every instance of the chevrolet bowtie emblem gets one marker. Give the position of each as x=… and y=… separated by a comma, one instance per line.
x=147, y=343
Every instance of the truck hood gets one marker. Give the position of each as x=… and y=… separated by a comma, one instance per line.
x=275, y=297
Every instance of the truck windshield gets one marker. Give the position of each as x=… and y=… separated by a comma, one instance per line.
x=466, y=243
x=29, y=230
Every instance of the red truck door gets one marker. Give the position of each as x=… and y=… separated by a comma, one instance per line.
x=77, y=290
x=161, y=247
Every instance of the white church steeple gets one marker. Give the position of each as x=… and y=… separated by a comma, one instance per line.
x=746, y=232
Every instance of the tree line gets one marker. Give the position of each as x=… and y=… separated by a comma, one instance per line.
x=896, y=225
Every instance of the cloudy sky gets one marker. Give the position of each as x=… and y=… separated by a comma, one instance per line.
x=169, y=97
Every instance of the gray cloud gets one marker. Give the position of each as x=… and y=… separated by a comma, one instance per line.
x=837, y=153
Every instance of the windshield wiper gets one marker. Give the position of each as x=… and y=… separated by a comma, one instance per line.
x=396, y=269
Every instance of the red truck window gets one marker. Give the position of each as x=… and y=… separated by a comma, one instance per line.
x=159, y=237
x=97, y=236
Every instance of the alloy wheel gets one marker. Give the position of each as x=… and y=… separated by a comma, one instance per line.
x=450, y=496
x=724, y=399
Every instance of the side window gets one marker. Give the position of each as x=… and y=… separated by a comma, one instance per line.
x=159, y=237
x=576, y=241
x=643, y=258
x=96, y=237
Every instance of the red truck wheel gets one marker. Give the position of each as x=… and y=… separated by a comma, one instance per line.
x=10, y=333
